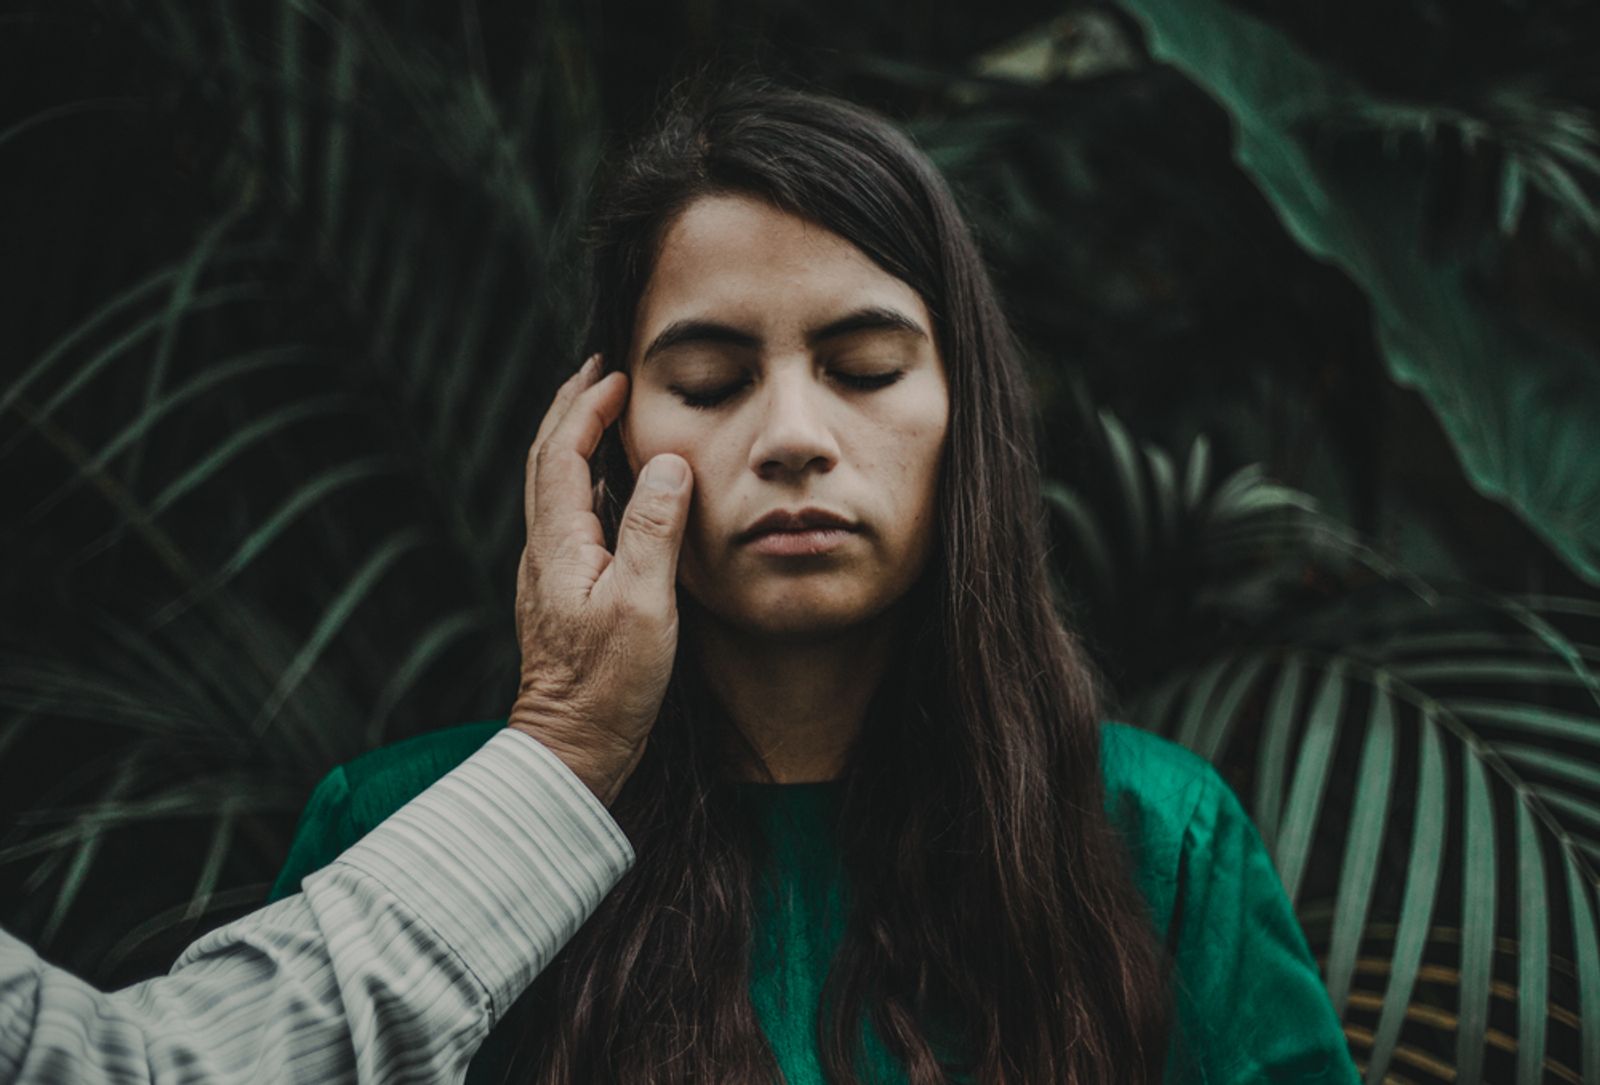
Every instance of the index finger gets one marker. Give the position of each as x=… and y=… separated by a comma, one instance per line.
x=558, y=479
x=559, y=406
x=562, y=402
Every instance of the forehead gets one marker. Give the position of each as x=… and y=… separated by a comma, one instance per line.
x=737, y=257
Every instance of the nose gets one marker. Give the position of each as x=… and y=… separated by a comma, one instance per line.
x=794, y=435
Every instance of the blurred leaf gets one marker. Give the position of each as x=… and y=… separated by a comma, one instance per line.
x=1533, y=971
x=1295, y=833
x=1479, y=884
x=1587, y=959
x=333, y=619
x=85, y=846
x=1523, y=412
x=1364, y=844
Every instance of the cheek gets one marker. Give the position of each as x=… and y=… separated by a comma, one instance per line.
x=916, y=448
x=649, y=427
x=923, y=463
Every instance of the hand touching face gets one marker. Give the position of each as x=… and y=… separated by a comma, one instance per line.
x=793, y=374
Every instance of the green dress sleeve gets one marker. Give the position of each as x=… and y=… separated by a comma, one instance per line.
x=1250, y=1003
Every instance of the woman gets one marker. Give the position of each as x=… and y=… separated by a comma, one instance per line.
x=881, y=831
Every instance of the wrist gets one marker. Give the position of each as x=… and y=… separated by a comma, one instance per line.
x=602, y=774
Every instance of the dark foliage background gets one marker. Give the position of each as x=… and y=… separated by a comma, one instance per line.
x=1308, y=292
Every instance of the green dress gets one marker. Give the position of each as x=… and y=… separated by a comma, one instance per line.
x=1250, y=1003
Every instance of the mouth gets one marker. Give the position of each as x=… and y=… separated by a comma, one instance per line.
x=809, y=542
x=821, y=523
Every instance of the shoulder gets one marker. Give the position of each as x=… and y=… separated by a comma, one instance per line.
x=1150, y=777
x=1153, y=789
x=1250, y=1000
x=381, y=781
x=356, y=796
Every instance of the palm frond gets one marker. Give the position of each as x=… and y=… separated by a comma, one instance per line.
x=1512, y=769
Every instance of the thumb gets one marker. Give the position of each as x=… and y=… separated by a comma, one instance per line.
x=651, y=532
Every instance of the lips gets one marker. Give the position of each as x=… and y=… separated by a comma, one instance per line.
x=807, y=519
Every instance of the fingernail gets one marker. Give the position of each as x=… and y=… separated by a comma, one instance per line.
x=591, y=365
x=665, y=473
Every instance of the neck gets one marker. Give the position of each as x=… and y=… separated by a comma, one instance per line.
x=800, y=704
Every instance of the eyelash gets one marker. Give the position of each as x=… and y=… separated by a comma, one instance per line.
x=704, y=401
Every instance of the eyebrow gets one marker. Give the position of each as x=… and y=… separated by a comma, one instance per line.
x=869, y=318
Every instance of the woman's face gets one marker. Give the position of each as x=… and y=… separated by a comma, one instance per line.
x=792, y=373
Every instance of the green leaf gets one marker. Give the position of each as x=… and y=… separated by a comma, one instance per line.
x=1513, y=195
x=1363, y=846
x=1478, y=888
x=334, y=617
x=1491, y=670
x=1211, y=738
x=1125, y=460
x=461, y=368
x=66, y=109
x=1167, y=496
x=1585, y=811
x=1197, y=472
x=209, y=464
x=1151, y=707
x=1533, y=949
x=289, y=67
x=182, y=915
x=246, y=89
x=176, y=310
x=123, y=345
x=1523, y=412
x=87, y=845
x=1090, y=546
x=1197, y=708
x=433, y=641
x=405, y=263
x=336, y=141
x=247, y=364
x=80, y=333
x=373, y=218
x=1587, y=965
x=1422, y=890
x=14, y=729
x=216, y=854
x=1553, y=639
x=1572, y=770
x=492, y=411
x=1277, y=725
x=1529, y=719
x=1297, y=831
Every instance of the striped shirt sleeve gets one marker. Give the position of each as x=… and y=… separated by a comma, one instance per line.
x=391, y=965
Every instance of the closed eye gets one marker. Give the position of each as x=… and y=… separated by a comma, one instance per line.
x=863, y=382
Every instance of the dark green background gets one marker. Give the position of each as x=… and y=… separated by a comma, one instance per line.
x=1308, y=293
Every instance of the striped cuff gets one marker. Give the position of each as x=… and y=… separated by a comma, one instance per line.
x=504, y=857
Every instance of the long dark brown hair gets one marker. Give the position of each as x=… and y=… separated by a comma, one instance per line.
x=990, y=895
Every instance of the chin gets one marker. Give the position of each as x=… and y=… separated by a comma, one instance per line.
x=793, y=612
x=801, y=626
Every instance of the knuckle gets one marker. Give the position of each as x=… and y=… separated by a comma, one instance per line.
x=570, y=523
x=651, y=517
x=541, y=456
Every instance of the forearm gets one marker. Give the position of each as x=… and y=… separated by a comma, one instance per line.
x=264, y=999
x=392, y=965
